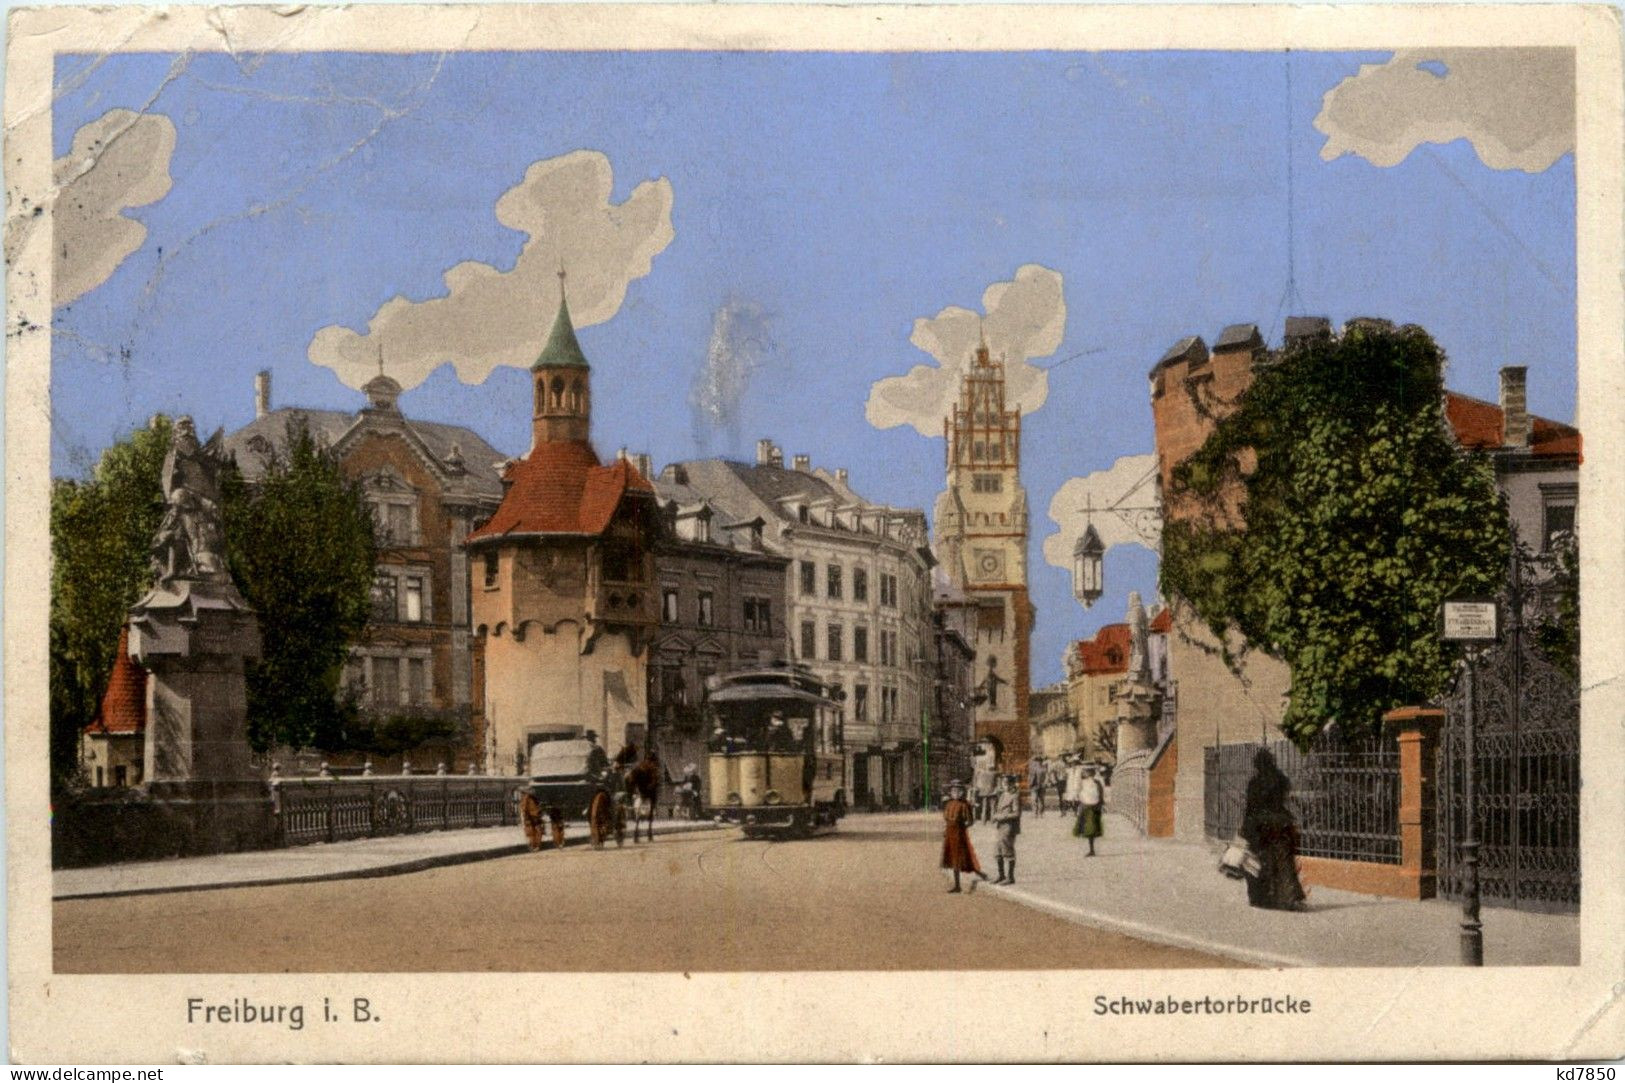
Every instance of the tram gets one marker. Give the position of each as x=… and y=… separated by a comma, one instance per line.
x=775, y=765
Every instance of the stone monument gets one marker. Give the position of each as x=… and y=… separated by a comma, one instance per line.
x=1139, y=701
x=193, y=632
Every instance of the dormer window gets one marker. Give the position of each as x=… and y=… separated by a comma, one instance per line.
x=803, y=514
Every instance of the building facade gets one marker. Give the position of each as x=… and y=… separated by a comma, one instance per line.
x=981, y=539
x=565, y=601
x=722, y=598
x=427, y=484
x=857, y=601
x=1192, y=387
x=951, y=737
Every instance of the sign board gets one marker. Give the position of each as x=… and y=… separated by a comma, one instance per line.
x=1470, y=620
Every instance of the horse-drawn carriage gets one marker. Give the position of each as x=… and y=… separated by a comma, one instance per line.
x=572, y=778
x=776, y=758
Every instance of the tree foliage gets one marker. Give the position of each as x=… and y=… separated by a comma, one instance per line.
x=1361, y=517
x=101, y=534
x=301, y=547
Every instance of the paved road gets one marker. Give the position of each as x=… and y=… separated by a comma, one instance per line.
x=869, y=898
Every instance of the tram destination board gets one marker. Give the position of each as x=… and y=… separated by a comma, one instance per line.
x=1470, y=620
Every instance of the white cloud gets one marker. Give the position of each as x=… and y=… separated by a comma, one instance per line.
x=118, y=161
x=1516, y=106
x=490, y=317
x=1026, y=318
x=1118, y=497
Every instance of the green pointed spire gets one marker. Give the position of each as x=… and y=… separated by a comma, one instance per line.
x=562, y=349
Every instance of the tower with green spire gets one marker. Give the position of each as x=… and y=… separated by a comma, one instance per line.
x=560, y=379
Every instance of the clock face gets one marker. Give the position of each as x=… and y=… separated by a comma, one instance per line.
x=989, y=564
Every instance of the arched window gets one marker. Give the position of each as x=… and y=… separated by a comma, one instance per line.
x=575, y=396
x=557, y=387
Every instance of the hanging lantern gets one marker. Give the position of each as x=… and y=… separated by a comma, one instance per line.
x=1087, y=575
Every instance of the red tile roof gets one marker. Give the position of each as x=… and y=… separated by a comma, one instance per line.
x=1479, y=425
x=124, y=707
x=1162, y=623
x=1107, y=652
x=561, y=489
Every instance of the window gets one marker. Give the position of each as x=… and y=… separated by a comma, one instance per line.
x=668, y=606
x=673, y=689
x=384, y=603
x=986, y=483
x=386, y=682
x=1559, y=519
x=888, y=590
x=490, y=561
x=860, y=584
x=860, y=644
x=802, y=514
x=705, y=609
x=400, y=524
x=809, y=641
x=623, y=563
x=888, y=647
x=414, y=598
x=758, y=617
x=809, y=578
x=835, y=637
x=121, y=775
x=417, y=681
x=833, y=580
x=885, y=704
x=860, y=703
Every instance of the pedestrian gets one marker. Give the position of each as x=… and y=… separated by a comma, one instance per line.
x=957, y=852
x=1271, y=833
x=1037, y=775
x=1007, y=822
x=530, y=818
x=1091, y=806
x=1074, y=782
x=987, y=784
x=1057, y=781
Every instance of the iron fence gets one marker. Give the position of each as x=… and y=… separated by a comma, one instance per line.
x=333, y=809
x=1345, y=794
x=1131, y=785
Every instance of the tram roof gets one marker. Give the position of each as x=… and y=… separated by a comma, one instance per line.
x=765, y=690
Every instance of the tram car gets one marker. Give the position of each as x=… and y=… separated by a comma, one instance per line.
x=775, y=763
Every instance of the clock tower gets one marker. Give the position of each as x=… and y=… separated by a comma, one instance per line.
x=981, y=527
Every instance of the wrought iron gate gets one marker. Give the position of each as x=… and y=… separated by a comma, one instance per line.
x=1528, y=775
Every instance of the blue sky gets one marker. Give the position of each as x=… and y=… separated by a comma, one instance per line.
x=846, y=195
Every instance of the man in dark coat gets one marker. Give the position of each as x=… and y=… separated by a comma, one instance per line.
x=957, y=852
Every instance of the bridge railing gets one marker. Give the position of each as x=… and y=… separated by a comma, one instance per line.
x=334, y=809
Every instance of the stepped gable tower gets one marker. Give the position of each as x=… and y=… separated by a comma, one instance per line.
x=981, y=528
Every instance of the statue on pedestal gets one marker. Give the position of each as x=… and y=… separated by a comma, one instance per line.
x=191, y=541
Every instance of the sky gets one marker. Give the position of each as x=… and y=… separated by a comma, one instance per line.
x=794, y=246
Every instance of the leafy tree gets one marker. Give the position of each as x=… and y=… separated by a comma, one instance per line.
x=1361, y=517
x=101, y=534
x=301, y=547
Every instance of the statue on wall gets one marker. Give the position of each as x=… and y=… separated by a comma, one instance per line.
x=190, y=543
x=1139, y=658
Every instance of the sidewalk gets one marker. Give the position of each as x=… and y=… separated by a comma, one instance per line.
x=1172, y=893
x=389, y=856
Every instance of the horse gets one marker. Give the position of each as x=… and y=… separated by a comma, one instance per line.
x=605, y=813
x=643, y=787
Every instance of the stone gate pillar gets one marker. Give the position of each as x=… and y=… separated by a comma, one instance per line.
x=1416, y=731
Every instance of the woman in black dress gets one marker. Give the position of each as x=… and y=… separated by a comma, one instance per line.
x=1272, y=835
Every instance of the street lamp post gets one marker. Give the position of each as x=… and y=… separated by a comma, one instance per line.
x=1472, y=622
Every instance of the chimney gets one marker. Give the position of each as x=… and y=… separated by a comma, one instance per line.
x=644, y=463
x=262, y=393
x=1515, y=406
x=776, y=457
x=764, y=453
x=840, y=474
x=803, y=462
